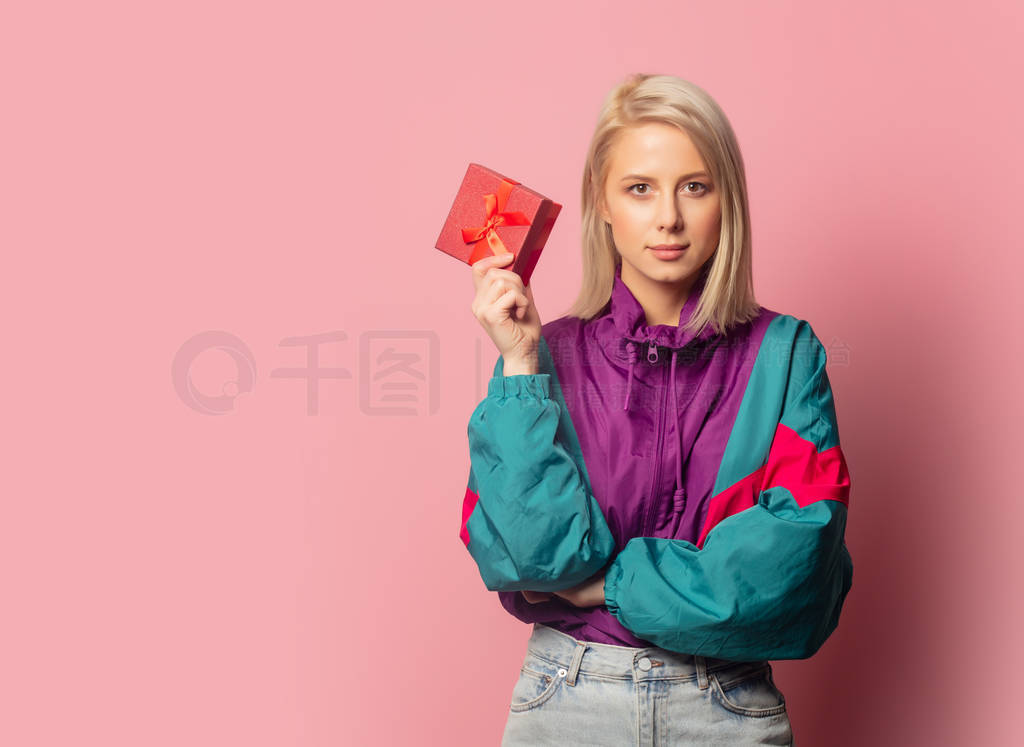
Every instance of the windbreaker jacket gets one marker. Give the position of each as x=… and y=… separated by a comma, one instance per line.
x=702, y=473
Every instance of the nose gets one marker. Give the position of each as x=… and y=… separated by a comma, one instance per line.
x=670, y=217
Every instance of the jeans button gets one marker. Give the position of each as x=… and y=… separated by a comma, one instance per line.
x=644, y=664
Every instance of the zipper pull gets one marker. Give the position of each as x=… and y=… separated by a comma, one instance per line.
x=652, y=352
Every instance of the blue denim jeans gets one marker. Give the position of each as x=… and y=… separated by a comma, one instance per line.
x=580, y=693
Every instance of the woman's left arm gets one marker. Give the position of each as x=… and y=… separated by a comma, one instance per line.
x=773, y=571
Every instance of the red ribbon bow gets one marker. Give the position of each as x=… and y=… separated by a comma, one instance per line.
x=496, y=216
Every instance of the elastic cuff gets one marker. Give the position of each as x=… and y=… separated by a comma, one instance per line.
x=520, y=385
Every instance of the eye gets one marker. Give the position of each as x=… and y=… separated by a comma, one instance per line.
x=646, y=187
x=703, y=188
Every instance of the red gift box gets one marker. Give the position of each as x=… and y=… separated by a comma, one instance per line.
x=493, y=214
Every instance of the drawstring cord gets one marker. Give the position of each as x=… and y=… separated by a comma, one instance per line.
x=679, y=496
x=631, y=352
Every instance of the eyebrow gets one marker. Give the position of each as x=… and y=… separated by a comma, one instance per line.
x=651, y=179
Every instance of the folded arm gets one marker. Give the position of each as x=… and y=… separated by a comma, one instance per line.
x=530, y=519
x=773, y=570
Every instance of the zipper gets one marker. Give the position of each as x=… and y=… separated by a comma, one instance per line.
x=652, y=352
x=645, y=532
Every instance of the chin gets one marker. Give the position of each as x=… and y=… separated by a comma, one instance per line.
x=671, y=272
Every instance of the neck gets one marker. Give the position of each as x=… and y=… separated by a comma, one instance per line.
x=662, y=302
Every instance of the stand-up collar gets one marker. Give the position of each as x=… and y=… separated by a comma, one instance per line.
x=624, y=334
x=626, y=322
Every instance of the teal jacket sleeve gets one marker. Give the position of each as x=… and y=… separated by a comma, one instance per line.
x=771, y=570
x=530, y=519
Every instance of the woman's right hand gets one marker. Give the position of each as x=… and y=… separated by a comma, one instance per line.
x=505, y=309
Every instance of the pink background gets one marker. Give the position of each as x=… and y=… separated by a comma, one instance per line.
x=281, y=170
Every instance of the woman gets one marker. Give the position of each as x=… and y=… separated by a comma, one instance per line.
x=656, y=480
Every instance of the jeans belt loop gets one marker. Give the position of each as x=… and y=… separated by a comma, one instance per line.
x=702, y=672
x=574, y=668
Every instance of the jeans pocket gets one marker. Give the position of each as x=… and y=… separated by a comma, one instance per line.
x=748, y=690
x=539, y=679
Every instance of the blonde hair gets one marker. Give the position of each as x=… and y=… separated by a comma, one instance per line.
x=728, y=296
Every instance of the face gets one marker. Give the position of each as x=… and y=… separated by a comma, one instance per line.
x=659, y=192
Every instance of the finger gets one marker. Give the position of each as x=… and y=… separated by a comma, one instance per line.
x=497, y=282
x=528, y=292
x=522, y=306
x=495, y=260
x=505, y=306
x=481, y=266
x=502, y=281
x=506, y=275
x=494, y=286
x=492, y=293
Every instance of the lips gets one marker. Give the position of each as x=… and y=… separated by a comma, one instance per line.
x=668, y=251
